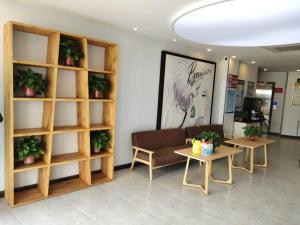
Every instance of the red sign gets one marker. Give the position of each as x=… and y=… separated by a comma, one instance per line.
x=278, y=90
x=232, y=81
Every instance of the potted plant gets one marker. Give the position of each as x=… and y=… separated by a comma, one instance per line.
x=210, y=140
x=71, y=51
x=31, y=82
x=240, y=116
x=98, y=86
x=29, y=150
x=100, y=141
x=252, y=132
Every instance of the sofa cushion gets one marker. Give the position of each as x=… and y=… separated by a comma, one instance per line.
x=156, y=139
x=164, y=156
x=194, y=131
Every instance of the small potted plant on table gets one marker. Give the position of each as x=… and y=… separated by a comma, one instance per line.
x=29, y=150
x=210, y=140
x=98, y=86
x=100, y=141
x=31, y=82
x=71, y=51
x=252, y=132
x=240, y=116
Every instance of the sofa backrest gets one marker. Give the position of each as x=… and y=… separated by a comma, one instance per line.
x=191, y=132
x=156, y=139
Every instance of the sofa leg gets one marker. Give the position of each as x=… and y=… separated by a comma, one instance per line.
x=133, y=160
x=150, y=166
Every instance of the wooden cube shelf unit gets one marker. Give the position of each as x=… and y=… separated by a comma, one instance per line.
x=45, y=187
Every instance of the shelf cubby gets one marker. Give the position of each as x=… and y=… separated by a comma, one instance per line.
x=62, y=115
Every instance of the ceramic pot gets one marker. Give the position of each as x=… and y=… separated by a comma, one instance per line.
x=29, y=160
x=69, y=61
x=96, y=150
x=29, y=92
x=252, y=138
x=98, y=94
x=197, y=147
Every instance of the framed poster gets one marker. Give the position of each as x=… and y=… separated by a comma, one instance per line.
x=185, y=91
x=230, y=101
x=232, y=81
x=239, y=98
x=296, y=94
x=251, y=89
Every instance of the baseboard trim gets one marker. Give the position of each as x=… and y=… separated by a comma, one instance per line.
x=116, y=168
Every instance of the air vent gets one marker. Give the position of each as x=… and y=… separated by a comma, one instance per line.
x=284, y=48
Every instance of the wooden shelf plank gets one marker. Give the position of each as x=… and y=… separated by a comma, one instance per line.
x=21, y=167
x=100, y=43
x=66, y=186
x=33, y=64
x=67, y=158
x=30, y=132
x=101, y=155
x=100, y=71
x=32, y=99
x=70, y=68
x=67, y=129
x=27, y=196
x=99, y=127
x=99, y=178
x=101, y=100
x=64, y=99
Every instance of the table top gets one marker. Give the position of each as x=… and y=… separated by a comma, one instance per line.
x=245, y=142
x=219, y=152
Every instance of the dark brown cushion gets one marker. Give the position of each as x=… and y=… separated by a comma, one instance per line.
x=194, y=131
x=156, y=139
x=164, y=156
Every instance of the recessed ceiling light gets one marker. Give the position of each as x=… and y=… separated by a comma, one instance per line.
x=298, y=70
x=174, y=39
x=265, y=69
x=209, y=50
x=135, y=28
x=253, y=62
x=233, y=56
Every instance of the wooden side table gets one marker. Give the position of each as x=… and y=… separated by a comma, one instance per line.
x=250, y=147
x=219, y=152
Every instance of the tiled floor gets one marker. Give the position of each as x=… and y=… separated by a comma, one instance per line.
x=269, y=196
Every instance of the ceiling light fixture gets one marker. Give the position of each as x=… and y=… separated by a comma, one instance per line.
x=298, y=70
x=198, y=22
x=233, y=56
x=253, y=62
x=265, y=69
x=174, y=39
x=209, y=50
x=135, y=29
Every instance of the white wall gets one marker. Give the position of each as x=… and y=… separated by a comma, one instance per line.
x=291, y=113
x=139, y=66
x=248, y=72
x=280, y=79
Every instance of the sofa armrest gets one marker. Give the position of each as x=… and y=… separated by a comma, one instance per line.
x=142, y=150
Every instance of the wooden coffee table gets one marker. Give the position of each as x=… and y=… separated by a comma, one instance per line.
x=251, y=146
x=220, y=152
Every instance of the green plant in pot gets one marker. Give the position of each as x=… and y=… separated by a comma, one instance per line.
x=29, y=150
x=240, y=116
x=98, y=86
x=252, y=132
x=211, y=138
x=70, y=51
x=100, y=141
x=31, y=82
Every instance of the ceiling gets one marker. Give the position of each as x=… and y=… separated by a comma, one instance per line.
x=154, y=18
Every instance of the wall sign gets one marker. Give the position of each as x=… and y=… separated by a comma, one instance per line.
x=185, y=91
x=296, y=94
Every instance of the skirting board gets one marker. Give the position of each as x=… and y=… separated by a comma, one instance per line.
x=120, y=167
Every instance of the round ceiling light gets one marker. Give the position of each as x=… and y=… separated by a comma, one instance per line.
x=241, y=22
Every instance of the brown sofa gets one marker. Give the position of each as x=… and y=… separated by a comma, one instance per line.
x=192, y=132
x=156, y=148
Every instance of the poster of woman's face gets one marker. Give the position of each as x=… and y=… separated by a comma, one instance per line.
x=186, y=89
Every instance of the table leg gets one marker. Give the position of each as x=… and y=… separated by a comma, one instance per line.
x=251, y=159
x=250, y=170
x=265, y=165
x=229, y=181
x=205, y=188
